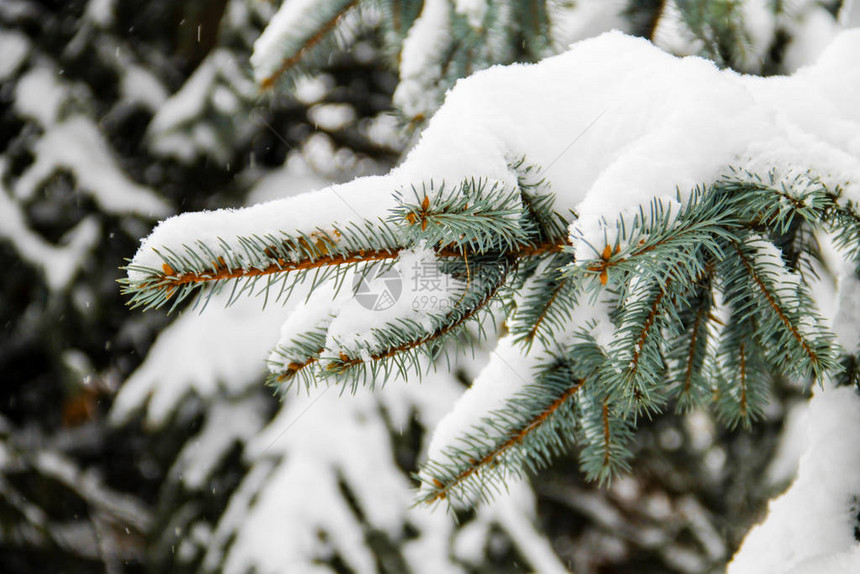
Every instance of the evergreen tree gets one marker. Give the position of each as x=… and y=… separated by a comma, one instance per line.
x=700, y=295
x=686, y=300
x=198, y=473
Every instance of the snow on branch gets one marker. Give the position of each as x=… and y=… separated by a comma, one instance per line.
x=643, y=223
x=296, y=28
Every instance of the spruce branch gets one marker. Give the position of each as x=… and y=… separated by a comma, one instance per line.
x=326, y=252
x=475, y=216
x=296, y=360
x=605, y=435
x=743, y=382
x=634, y=377
x=522, y=437
x=398, y=346
x=689, y=352
x=546, y=302
x=663, y=244
x=736, y=240
x=792, y=338
x=308, y=29
x=843, y=222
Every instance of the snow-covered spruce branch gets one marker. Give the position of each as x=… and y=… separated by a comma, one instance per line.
x=653, y=292
x=477, y=222
x=187, y=267
x=664, y=274
x=481, y=461
x=661, y=350
x=433, y=43
x=297, y=35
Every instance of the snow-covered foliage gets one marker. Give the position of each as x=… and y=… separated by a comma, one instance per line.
x=290, y=510
x=630, y=153
x=120, y=113
x=438, y=42
x=606, y=156
x=111, y=532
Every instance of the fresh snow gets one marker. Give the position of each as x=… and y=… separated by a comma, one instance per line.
x=207, y=354
x=507, y=372
x=613, y=123
x=810, y=528
x=360, y=199
x=609, y=122
x=291, y=489
x=356, y=323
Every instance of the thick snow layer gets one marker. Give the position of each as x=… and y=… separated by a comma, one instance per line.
x=810, y=528
x=357, y=320
x=292, y=490
x=362, y=198
x=507, y=372
x=613, y=123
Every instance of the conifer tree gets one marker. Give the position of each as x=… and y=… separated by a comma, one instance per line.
x=615, y=308
x=193, y=474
